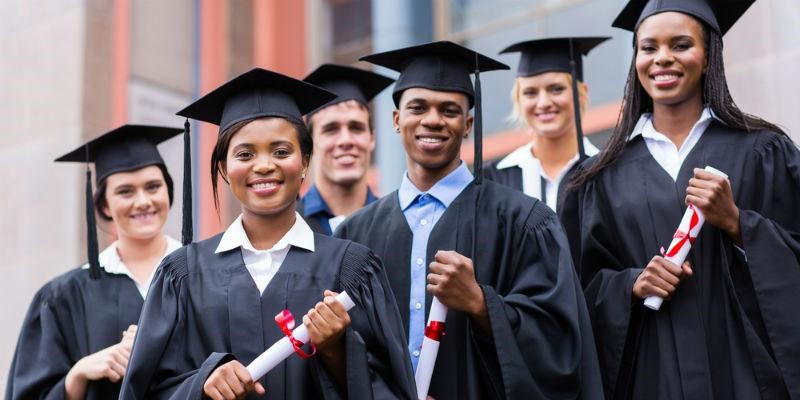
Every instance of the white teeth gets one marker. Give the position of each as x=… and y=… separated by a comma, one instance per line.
x=265, y=185
x=430, y=140
x=662, y=78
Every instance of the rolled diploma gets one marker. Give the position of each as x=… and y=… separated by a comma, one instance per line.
x=429, y=351
x=654, y=302
x=283, y=348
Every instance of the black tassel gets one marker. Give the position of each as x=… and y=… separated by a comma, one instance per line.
x=91, y=227
x=576, y=101
x=478, y=123
x=187, y=232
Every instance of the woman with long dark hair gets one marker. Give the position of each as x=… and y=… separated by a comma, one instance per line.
x=77, y=336
x=213, y=304
x=727, y=328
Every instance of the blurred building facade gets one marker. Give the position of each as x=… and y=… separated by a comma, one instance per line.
x=72, y=69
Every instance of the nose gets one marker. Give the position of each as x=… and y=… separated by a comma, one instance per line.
x=664, y=56
x=263, y=164
x=544, y=99
x=433, y=119
x=345, y=138
x=142, y=200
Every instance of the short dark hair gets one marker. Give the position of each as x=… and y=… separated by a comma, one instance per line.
x=100, y=201
x=219, y=154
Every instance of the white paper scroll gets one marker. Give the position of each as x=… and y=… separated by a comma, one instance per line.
x=682, y=240
x=282, y=349
x=430, y=347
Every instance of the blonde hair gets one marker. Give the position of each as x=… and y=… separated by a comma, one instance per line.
x=517, y=117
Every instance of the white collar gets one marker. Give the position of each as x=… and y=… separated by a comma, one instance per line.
x=299, y=235
x=524, y=156
x=644, y=126
x=111, y=262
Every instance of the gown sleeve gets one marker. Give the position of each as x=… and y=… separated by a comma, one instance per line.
x=378, y=364
x=161, y=339
x=771, y=239
x=41, y=360
x=543, y=342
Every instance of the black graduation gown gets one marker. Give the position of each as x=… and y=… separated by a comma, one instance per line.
x=204, y=309
x=541, y=344
x=69, y=318
x=512, y=177
x=729, y=332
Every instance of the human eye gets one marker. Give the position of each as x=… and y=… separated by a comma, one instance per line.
x=415, y=108
x=153, y=187
x=282, y=152
x=243, y=155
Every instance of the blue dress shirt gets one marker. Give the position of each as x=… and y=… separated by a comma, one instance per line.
x=422, y=210
x=317, y=213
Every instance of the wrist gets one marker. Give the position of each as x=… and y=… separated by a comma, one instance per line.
x=478, y=307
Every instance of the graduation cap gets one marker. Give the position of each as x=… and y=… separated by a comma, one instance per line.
x=442, y=66
x=255, y=94
x=348, y=83
x=557, y=55
x=127, y=148
x=720, y=15
x=552, y=54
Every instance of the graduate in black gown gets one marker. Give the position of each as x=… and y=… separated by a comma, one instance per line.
x=544, y=104
x=517, y=325
x=343, y=143
x=728, y=328
x=212, y=305
x=77, y=335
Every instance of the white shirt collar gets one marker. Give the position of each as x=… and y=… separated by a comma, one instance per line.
x=299, y=235
x=111, y=262
x=523, y=156
x=644, y=126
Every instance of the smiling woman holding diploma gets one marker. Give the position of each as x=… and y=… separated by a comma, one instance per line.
x=214, y=304
x=728, y=327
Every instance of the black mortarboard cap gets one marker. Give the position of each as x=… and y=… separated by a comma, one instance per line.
x=552, y=54
x=720, y=15
x=255, y=94
x=348, y=83
x=443, y=66
x=126, y=148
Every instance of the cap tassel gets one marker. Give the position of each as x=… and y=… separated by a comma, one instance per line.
x=576, y=102
x=187, y=232
x=91, y=227
x=478, y=124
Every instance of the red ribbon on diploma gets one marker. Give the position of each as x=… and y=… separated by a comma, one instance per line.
x=685, y=236
x=434, y=330
x=285, y=321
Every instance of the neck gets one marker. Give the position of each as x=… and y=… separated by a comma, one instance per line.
x=424, y=178
x=266, y=230
x=555, y=153
x=343, y=199
x=141, y=256
x=676, y=121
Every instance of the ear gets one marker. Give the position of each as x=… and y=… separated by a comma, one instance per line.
x=396, y=120
x=106, y=211
x=468, y=127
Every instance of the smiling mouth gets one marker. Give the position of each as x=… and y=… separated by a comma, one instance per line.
x=264, y=185
x=144, y=216
x=547, y=116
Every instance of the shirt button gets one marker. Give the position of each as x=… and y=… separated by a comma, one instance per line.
x=423, y=222
x=415, y=353
x=419, y=261
x=418, y=306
